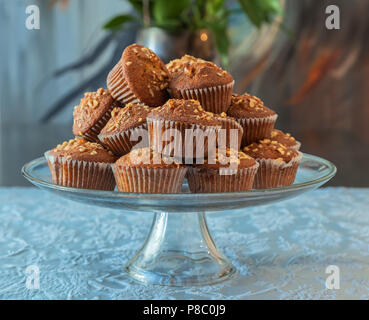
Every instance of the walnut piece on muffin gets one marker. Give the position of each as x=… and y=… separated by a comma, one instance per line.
x=285, y=138
x=248, y=106
x=195, y=73
x=185, y=111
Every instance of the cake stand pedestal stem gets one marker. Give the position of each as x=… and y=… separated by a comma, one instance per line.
x=179, y=251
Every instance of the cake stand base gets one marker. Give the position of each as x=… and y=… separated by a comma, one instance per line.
x=179, y=251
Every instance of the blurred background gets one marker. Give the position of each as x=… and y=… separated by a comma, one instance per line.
x=316, y=79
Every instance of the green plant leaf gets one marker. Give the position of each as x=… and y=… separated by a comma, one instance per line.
x=260, y=11
x=137, y=5
x=212, y=7
x=168, y=11
x=118, y=21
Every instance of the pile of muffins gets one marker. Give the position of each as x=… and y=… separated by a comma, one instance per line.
x=157, y=124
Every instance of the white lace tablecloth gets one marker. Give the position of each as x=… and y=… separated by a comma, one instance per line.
x=281, y=250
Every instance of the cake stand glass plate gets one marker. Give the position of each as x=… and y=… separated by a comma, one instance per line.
x=179, y=250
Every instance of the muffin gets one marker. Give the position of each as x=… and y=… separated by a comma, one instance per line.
x=139, y=77
x=256, y=119
x=285, y=139
x=233, y=132
x=182, y=128
x=92, y=114
x=194, y=78
x=79, y=163
x=126, y=127
x=278, y=163
x=232, y=171
x=145, y=171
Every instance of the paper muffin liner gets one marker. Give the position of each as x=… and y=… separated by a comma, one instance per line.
x=273, y=173
x=228, y=125
x=93, y=132
x=157, y=134
x=118, y=86
x=149, y=180
x=255, y=129
x=120, y=143
x=214, y=99
x=80, y=174
x=202, y=180
x=297, y=146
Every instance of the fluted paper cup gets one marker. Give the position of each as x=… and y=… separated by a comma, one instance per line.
x=149, y=180
x=297, y=146
x=80, y=174
x=273, y=173
x=118, y=86
x=214, y=99
x=203, y=180
x=121, y=144
x=228, y=125
x=160, y=132
x=255, y=129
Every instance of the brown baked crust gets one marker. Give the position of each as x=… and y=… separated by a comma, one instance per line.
x=223, y=159
x=270, y=149
x=248, y=106
x=283, y=138
x=122, y=119
x=146, y=158
x=82, y=150
x=184, y=111
x=194, y=73
x=229, y=123
x=146, y=75
x=224, y=117
x=93, y=106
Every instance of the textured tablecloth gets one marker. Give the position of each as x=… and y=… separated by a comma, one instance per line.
x=281, y=251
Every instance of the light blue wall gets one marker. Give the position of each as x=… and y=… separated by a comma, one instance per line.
x=28, y=59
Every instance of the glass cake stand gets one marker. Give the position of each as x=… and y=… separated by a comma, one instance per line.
x=179, y=250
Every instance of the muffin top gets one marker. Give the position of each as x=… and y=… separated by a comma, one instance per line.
x=83, y=150
x=224, y=118
x=283, y=138
x=92, y=107
x=270, y=149
x=145, y=74
x=129, y=117
x=185, y=111
x=146, y=158
x=225, y=157
x=195, y=73
x=247, y=106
